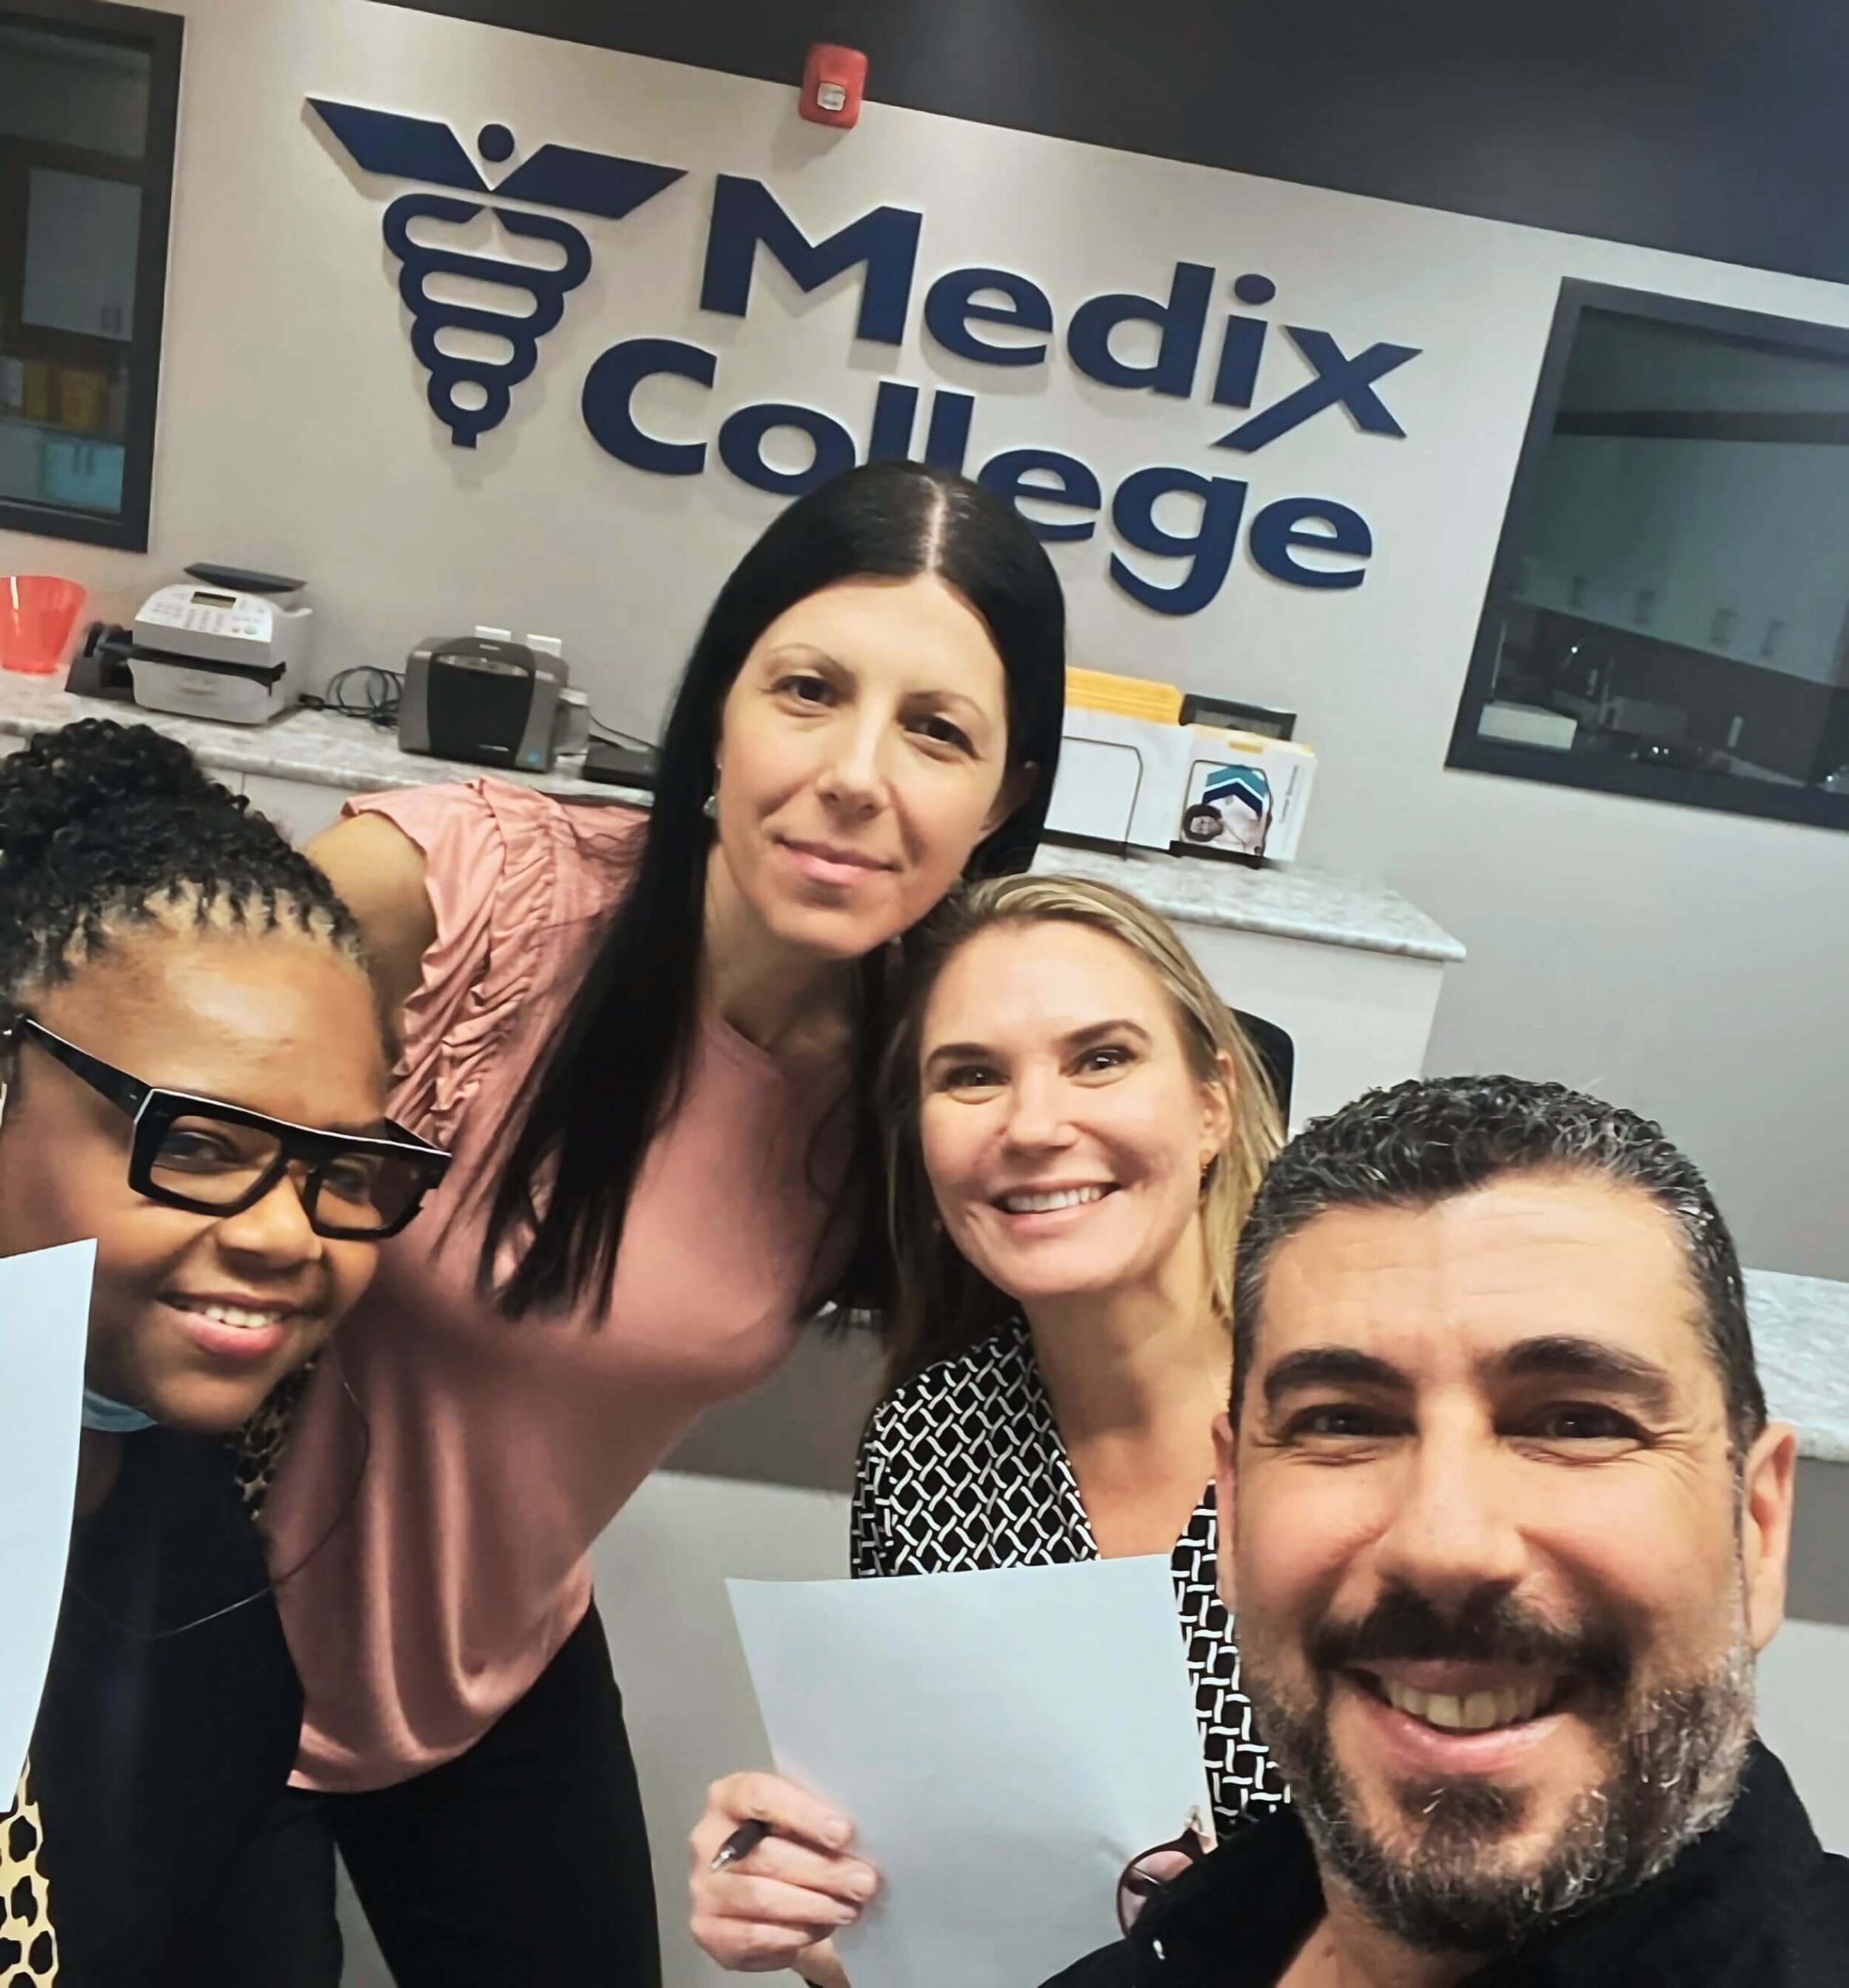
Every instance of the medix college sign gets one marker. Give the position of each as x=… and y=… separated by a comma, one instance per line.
x=988, y=316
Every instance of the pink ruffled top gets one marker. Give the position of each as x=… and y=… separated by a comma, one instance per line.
x=429, y=1528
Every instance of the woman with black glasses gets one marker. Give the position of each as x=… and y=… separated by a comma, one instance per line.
x=192, y=1073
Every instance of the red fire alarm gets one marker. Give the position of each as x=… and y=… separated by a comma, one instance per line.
x=834, y=80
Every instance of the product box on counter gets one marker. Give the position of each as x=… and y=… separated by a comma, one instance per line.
x=1246, y=796
x=1132, y=774
x=1119, y=780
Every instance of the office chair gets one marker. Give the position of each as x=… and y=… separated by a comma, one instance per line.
x=1277, y=1053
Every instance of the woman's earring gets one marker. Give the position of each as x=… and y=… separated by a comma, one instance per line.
x=710, y=811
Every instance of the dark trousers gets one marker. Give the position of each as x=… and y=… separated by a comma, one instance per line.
x=524, y=1862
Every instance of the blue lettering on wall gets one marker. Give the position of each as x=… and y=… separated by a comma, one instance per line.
x=1278, y=531
x=954, y=302
x=389, y=143
x=981, y=315
x=1209, y=549
x=1015, y=474
x=946, y=439
x=1180, y=323
x=493, y=379
x=741, y=447
x=894, y=415
x=610, y=388
x=1340, y=381
x=746, y=213
x=895, y=420
x=1243, y=345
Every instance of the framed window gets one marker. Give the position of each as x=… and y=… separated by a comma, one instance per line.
x=89, y=96
x=1668, y=615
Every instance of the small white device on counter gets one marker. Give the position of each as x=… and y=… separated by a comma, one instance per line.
x=1133, y=774
x=1122, y=762
x=1528, y=725
x=222, y=644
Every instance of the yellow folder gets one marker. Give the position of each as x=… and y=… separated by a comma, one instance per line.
x=1128, y=696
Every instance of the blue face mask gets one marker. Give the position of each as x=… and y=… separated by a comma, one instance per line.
x=110, y=1417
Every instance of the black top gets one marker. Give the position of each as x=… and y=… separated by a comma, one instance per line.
x=963, y=1470
x=1756, y=1903
x=154, y=1756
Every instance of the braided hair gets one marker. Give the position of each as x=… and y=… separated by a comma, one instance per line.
x=105, y=828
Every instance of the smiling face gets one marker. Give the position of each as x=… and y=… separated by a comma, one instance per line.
x=195, y=1317
x=862, y=756
x=1063, y=1129
x=1497, y=1594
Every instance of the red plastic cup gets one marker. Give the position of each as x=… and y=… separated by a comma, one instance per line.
x=37, y=614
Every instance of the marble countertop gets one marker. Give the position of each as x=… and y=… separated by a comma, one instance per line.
x=322, y=749
x=1800, y=1324
x=1800, y=1334
x=1285, y=902
x=327, y=749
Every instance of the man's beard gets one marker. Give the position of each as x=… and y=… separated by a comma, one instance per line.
x=1677, y=1752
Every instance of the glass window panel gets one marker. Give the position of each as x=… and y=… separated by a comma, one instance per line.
x=84, y=179
x=1671, y=614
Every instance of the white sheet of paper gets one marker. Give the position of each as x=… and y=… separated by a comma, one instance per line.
x=44, y=1329
x=1006, y=1744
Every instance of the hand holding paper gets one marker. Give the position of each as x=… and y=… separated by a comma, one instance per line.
x=44, y=1330
x=1005, y=1743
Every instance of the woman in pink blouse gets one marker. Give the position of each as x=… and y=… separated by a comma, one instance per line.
x=649, y=1040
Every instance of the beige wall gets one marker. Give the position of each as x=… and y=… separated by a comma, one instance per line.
x=1679, y=961
x=1691, y=964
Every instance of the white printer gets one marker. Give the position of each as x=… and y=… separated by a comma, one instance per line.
x=222, y=644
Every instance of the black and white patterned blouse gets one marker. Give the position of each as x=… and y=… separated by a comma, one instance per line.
x=963, y=1470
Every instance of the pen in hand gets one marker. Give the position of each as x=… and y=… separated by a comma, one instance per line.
x=739, y=1845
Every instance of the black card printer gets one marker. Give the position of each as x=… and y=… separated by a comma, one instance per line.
x=490, y=703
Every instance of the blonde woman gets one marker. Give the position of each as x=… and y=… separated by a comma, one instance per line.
x=1077, y=1126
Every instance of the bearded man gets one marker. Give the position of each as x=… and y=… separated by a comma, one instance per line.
x=1505, y=1526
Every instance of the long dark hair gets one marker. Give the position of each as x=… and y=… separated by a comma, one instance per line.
x=616, y=1068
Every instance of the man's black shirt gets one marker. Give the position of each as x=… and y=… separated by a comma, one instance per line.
x=1755, y=1903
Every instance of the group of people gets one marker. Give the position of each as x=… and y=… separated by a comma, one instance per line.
x=443, y=1172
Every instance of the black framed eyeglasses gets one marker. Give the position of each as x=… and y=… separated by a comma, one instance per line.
x=1150, y=1872
x=212, y=1158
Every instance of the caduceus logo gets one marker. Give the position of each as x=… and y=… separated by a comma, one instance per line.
x=556, y=176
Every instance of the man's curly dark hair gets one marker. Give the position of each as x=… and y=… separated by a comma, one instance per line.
x=1429, y=1139
x=106, y=827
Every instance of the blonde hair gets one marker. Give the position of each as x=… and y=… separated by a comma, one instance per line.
x=942, y=1304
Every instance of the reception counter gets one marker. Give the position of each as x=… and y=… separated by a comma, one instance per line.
x=756, y=1490
x=1349, y=969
